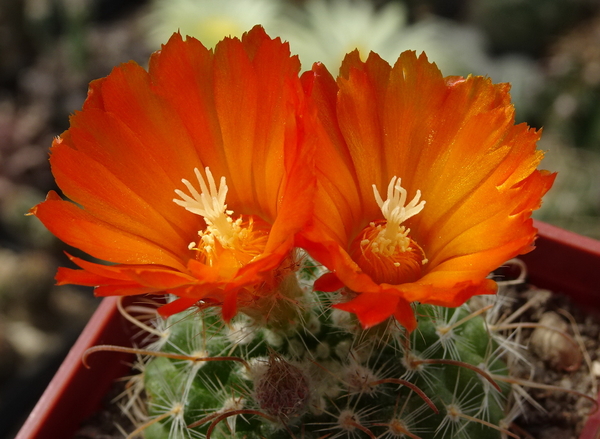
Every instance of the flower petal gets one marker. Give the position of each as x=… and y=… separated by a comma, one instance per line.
x=339, y=200
x=371, y=309
x=255, y=88
x=130, y=130
x=111, y=200
x=79, y=229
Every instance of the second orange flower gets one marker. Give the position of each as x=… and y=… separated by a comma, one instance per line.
x=425, y=185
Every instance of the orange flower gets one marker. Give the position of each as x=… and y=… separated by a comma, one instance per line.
x=191, y=178
x=425, y=185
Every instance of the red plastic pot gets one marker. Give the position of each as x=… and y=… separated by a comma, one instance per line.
x=568, y=263
x=563, y=262
x=76, y=392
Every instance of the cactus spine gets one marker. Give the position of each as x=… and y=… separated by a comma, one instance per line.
x=311, y=371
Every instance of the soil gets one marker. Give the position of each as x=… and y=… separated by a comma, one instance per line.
x=564, y=414
x=110, y=422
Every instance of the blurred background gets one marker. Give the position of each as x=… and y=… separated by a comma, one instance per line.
x=549, y=50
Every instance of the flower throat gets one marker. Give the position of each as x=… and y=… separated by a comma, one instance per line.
x=226, y=242
x=384, y=249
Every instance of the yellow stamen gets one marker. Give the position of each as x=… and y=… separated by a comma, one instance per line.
x=392, y=236
x=384, y=250
x=222, y=231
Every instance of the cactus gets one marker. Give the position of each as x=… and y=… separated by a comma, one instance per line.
x=312, y=371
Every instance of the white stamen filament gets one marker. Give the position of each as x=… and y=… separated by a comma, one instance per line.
x=210, y=204
x=393, y=235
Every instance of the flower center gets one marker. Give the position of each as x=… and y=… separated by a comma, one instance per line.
x=383, y=249
x=227, y=242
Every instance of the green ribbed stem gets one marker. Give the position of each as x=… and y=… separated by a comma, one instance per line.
x=321, y=374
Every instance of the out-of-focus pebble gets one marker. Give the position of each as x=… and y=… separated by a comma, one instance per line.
x=30, y=342
x=596, y=368
x=552, y=346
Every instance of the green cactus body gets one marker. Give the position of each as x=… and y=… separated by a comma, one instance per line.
x=321, y=375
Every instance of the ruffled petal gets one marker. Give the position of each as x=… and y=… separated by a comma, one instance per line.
x=328, y=282
x=371, y=309
x=405, y=315
x=454, y=140
x=239, y=111
x=130, y=130
x=182, y=74
x=66, y=276
x=79, y=229
x=176, y=306
x=338, y=199
x=256, y=87
x=444, y=293
x=334, y=257
x=108, y=198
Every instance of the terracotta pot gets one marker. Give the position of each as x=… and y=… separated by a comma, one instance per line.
x=563, y=262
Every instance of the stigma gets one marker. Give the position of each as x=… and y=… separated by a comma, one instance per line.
x=384, y=249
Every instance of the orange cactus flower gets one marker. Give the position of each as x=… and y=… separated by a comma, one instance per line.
x=425, y=185
x=191, y=178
